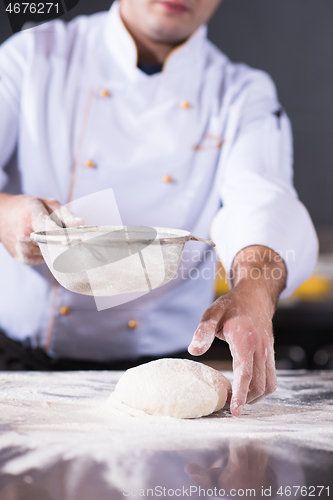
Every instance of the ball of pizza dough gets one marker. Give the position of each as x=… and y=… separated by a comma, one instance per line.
x=173, y=387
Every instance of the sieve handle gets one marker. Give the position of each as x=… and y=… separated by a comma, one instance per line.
x=203, y=240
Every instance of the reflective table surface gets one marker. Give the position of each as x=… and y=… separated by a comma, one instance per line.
x=61, y=440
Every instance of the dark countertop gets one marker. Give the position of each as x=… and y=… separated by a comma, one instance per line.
x=60, y=440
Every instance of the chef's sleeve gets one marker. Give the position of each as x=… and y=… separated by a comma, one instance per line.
x=13, y=61
x=259, y=203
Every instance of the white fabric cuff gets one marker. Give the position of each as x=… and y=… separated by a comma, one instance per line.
x=283, y=225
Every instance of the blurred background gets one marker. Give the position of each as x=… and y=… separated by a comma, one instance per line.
x=293, y=41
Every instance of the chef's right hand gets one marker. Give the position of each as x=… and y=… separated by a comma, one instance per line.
x=243, y=318
x=21, y=215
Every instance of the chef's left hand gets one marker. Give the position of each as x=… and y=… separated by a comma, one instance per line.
x=243, y=318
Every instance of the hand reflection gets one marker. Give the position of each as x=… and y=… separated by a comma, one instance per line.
x=244, y=466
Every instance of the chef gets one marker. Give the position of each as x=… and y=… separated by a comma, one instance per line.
x=139, y=101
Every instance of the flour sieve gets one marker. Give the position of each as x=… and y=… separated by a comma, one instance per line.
x=111, y=260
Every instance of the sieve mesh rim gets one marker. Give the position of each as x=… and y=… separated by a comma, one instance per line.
x=61, y=235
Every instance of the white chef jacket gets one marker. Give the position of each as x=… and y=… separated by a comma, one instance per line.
x=82, y=117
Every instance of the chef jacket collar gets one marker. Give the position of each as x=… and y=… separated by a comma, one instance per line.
x=123, y=48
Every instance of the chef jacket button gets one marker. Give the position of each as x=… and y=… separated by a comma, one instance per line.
x=64, y=310
x=89, y=164
x=167, y=178
x=186, y=105
x=104, y=93
x=133, y=323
